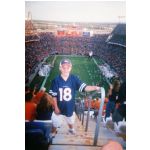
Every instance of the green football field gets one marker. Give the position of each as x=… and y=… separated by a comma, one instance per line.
x=86, y=69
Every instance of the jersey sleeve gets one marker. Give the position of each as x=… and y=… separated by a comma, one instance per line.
x=53, y=89
x=80, y=85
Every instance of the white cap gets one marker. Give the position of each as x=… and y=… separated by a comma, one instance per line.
x=65, y=61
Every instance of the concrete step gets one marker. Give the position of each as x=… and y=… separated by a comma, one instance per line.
x=72, y=147
x=64, y=138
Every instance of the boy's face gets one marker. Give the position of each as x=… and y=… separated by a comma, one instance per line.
x=65, y=68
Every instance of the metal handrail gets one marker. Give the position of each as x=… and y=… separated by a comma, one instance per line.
x=82, y=108
x=99, y=117
x=88, y=113
x=102, y=91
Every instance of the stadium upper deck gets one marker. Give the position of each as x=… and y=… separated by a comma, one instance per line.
x=118, y=35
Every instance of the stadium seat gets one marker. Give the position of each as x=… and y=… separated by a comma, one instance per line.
x=37, y=134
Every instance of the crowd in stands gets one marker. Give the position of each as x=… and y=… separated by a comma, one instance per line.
x=29, y=38
x=113, y=55
x=73, y=45
x=36, y=51
x=107, y=71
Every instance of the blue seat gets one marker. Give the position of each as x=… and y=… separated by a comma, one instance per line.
x=38, y=134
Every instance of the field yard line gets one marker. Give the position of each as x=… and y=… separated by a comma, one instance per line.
x=54, y=60
x=95, y=62
x=44, y=81
x=99, y=69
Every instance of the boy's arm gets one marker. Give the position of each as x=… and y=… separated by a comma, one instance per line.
x=89, y=88
x=56, y=109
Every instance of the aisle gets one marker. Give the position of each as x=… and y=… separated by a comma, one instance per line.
x=83, y=140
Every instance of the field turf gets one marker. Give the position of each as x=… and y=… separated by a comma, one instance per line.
x=85, y=68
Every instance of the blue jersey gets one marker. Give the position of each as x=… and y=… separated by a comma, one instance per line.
x=65, y=91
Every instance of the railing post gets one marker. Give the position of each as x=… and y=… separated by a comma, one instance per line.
x=99, y=116
x=88, y=113
x=80, y=109
x=82, y=106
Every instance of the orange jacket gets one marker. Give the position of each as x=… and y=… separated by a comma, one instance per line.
x=38, y=97
x=30, y=111
x=97, y=104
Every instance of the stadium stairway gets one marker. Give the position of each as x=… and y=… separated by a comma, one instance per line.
x=83, y=140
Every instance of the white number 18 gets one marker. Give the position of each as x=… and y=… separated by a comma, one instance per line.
x=65, y=94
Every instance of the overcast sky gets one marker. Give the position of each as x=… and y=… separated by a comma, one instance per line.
x=76, y=11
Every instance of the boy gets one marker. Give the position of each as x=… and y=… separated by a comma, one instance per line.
x=63, y=91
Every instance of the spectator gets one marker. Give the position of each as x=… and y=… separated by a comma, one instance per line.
x=39, y=95
x=30, y=107
x=113, y=94
x=120, y=112
x=45, y=107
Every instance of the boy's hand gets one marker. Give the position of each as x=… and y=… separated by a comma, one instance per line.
x=98, y=88
x=57, y=111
